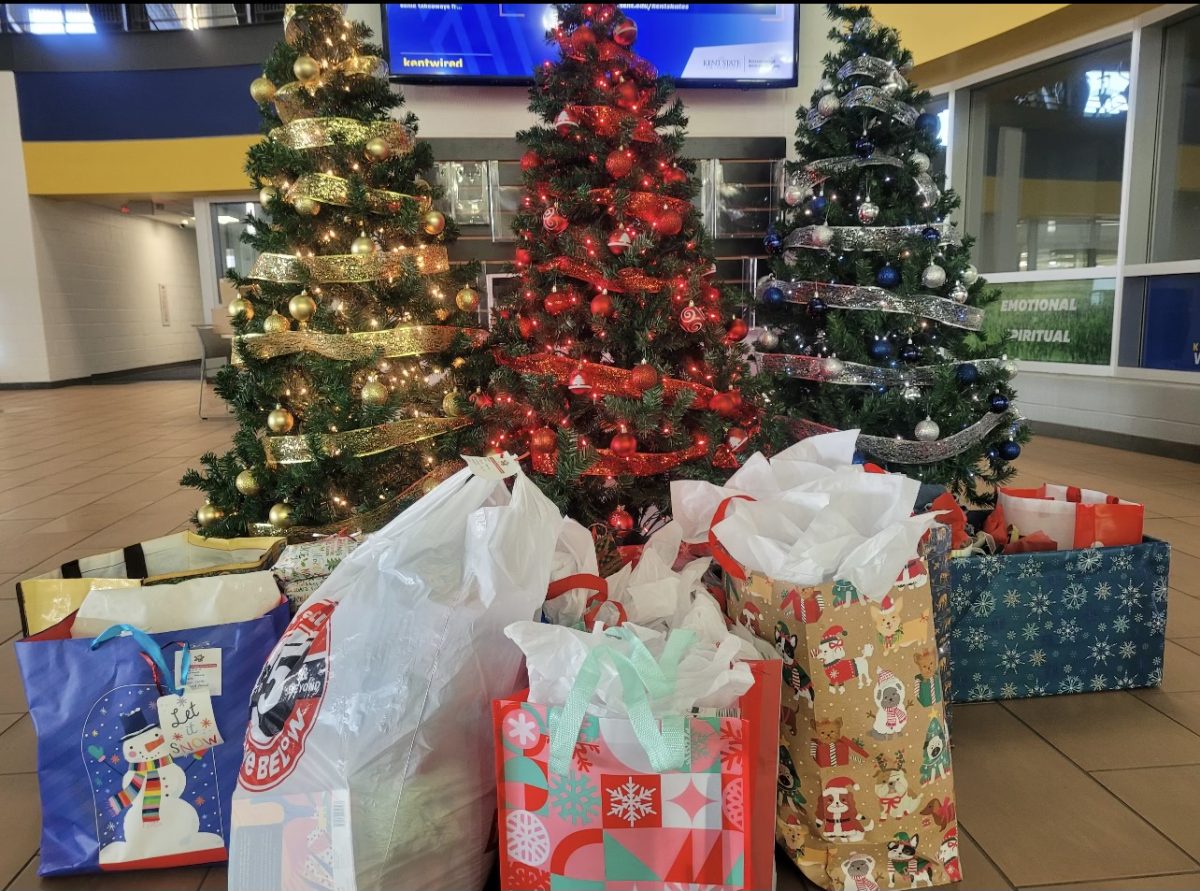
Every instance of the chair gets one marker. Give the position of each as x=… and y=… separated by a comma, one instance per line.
x=213, y=348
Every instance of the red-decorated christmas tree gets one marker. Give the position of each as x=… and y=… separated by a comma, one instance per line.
x=620, y=363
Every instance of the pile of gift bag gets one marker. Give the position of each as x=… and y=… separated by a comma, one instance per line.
x=462, y=691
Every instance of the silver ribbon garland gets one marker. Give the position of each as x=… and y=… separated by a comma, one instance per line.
x=872, y=298
x=866, y=238
x=814, y=173
x=874, y=67
x=907, y=451
x=854, y=374
x=868, y=97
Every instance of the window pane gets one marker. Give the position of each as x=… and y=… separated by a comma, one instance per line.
x=1058, y=321
x=1177, y=179
x=228, y=226
x=940, y=106
x=1171, y=323
x=1044, y=175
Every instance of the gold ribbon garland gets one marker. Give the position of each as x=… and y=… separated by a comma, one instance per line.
x=394, y=343
x=311, y=133
x=357, y=443
x=429, y=259
x=293, y=100
x=330, y=189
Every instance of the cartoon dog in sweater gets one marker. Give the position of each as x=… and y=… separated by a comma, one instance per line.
x=891, y=715
x=794, y=677
x=839, y=668
x=838, y=814
x=893, y=633
x=935, y=762
x=904, y=862
x=859, y=870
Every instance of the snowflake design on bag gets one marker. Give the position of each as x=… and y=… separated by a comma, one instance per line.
x=989, y=566
x=980, y=692
x=977, y=639
x=1103, y=590
x=1008, y=691
x=732, y=802
x=1089, y=560
x=1158, y=622
x=1159, y=589
x=1030, y=631
x=522, y=729
x=584, y=752
x=731, y=747
x=1127, y=650
x=1121, y=624
x=575, y=797
x=1101, y=651
x=1067, y=630
x=1010, y=660
x=960, y=598
x=1074, y=596
x=1039, y=602
x=1124, y=680
x=1154, y=678
x=1070, y=684
x=631, y=802
x=1012, y=599
x=1122, y=562
x=1130, y=596
x=528, y=840
x=1035, y=689
x=984, y=606
x=1099, y=682
x=1037, y=658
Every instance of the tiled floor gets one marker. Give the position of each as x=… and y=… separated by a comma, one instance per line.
x=1095, y=791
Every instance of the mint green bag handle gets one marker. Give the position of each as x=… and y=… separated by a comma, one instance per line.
x=668, y=748
x=660, y=676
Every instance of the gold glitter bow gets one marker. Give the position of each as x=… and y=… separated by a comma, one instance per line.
x=394, y=343
x=330, y=189
x=310, y=133
x=429, y=259
x=358, y=443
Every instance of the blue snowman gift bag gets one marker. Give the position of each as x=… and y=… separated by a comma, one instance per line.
x=126, y=770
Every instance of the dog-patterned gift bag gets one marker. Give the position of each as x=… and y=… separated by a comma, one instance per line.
x=866, y=791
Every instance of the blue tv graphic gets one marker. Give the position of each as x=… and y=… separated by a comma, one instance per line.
x=717, y=43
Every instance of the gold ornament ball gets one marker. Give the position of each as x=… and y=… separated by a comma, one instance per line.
x=377, y=149
x=306, y=206
x=240, y=306
x=305, y=68
x=280, y=516
x=267, y=194
x=433, y=222
x=362, y=245
x=262, y=90
x=208, y=514
x=421, y=184
x=276, y=324
x=442, y=314
x=302, y=307
x=246, y=483
x=467, y=299
x=452, y=404
x=280, y=420
x=374, y=393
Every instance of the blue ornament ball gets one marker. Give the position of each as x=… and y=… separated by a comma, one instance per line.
x=773, y=296
x=819, y=204
x=910, y=352
x=772, y=242
x=881, y=349
x=859, y=458
x=928, y=123
x=966, y=373
x=930, y=234
x=816, y=306
x=888, y=277
x=992, y=454
x=1009, y=450
x=863, y=147
x=998, y=402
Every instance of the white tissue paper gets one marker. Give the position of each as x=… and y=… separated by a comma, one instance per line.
x=816, y=516
x=710, y=675
x=574, y=554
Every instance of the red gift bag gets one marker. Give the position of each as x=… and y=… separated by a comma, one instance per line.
x=1073, y=517
x=612, y=822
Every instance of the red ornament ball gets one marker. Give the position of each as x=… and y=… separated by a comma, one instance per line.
x=668, y=223
x=566, y=123
x=674, y=175
x=553, y=221
x=602, y=305
x=619, y=241
x=737, y=330
x=627, y=93
x=620, y=520
x=735, y=437
x=530, y=160
x=623, y=445
x=625, y=33
x=619, y=163
x=481, y=400
x=582, y=39
x=543, y=439
x=522, y=257
x=722, y=404
x=691, y=319
x=643, y=376
x=736, y=396
x=525, y=327
x=556, y=303
x=580, y=382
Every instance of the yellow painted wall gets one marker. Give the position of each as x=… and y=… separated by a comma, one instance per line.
x=933, y=30
x=201, y=166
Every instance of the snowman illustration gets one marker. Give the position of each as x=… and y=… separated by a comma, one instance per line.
x=159, y=824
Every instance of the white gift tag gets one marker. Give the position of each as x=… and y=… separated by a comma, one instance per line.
x=204, y=670
x=493, y=467
x=188, y=723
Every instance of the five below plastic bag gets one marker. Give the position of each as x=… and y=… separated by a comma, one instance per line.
x=368, y=758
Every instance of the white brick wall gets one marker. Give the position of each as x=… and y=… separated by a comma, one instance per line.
x=99, y=272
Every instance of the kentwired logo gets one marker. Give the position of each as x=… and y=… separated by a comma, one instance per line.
x=432, y=63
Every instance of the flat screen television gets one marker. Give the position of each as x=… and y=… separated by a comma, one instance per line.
x=699, y=44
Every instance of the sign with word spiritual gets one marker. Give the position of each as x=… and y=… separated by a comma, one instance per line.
x=1056, y=321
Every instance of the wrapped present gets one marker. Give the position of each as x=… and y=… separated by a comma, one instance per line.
x=135, y=768
x=302, y=567
x=1048, y=622
x=50, y=598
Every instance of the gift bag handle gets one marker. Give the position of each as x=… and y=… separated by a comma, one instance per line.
x=658, y=675
x=153, y=652
x=667, y=749
x=723, y=557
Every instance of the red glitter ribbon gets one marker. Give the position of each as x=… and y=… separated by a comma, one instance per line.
x=638, y=464
x=608, y=121
x=646, y=206
x=606, y=380
x=627, y=280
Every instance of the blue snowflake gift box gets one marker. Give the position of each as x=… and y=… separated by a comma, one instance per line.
x=1054, y=622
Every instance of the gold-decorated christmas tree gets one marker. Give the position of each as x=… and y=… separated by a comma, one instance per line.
x=356, y=346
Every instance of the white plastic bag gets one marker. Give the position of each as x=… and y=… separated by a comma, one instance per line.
x=368, y=760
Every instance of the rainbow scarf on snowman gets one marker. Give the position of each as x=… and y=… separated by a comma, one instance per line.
x=147, y=781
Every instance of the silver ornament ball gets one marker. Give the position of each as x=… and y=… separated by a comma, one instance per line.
x=970, y=276
x=828, y=105
x=826, y=85
x=793, y=195
x=920, y=160
x=768, y=340
x=933, y=276
x=927, y=430
x=863, y=26
x=1009, y=367
x=867, y=212
x=833, y=366
x=911, y=393
x=822, y=235
x=959, y=293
